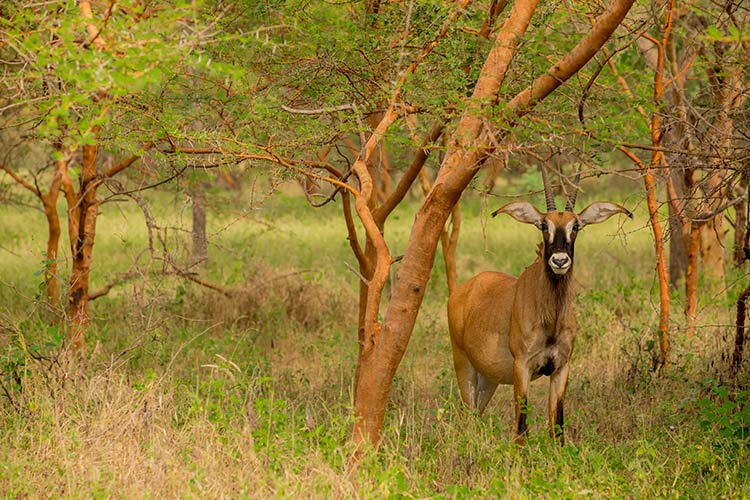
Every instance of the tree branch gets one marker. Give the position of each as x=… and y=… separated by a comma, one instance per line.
x=496, y=7
x=318, y=111
x=85, y=7
x=227, y=292
x=573, y=61
x=704, y=216
x=20, y=180
x=352, y=237
x=116, y=169
x=120, y=279
x=420, y=157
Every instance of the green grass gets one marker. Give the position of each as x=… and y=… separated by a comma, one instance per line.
x=189, y=394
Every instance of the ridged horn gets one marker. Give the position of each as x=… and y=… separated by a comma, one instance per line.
x=571, y=204
x=548, y=195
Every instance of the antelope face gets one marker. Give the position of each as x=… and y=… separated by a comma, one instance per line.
x=559, y=230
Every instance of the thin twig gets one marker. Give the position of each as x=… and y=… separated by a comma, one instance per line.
x=318, y=111
x=359, y=275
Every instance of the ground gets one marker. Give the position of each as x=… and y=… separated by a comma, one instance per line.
x=190, y=394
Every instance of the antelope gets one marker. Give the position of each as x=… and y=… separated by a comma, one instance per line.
x=508, y=330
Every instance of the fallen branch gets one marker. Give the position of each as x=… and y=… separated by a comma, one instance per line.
x=227, y=292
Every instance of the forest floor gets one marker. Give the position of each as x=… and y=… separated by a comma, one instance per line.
x=187, y=393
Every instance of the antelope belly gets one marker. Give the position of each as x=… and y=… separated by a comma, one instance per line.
x=492, y=359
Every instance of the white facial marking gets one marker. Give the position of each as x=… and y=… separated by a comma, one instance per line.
x=551, y=231
x=559, y=262
x=569, y=230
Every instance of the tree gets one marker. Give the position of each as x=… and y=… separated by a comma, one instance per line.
x=384, y=342
x=692, y=121
x=478, y=117
x=87, y=82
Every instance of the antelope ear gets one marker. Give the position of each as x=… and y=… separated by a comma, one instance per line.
x=599, y=211
x=522, y=211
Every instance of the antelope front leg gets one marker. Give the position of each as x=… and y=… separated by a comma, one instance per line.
x=521, y=378
x=557, y=384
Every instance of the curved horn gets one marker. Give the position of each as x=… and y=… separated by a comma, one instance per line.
x=548, y=195
x=570, y=205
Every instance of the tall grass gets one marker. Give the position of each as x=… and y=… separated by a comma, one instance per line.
x=189, y=394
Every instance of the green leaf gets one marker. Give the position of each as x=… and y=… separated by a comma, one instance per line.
x=714, y=32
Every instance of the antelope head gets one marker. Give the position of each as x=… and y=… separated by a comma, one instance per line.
x=560, y=228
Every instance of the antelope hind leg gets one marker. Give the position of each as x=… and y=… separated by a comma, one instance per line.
x=484, y=392
x=466, y=375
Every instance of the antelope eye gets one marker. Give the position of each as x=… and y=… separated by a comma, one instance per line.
x=576, y=226
x=543, y=226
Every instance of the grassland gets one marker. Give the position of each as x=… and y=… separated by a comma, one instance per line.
x=189, y=394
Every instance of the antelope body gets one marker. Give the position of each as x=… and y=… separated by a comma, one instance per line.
x=507, y=330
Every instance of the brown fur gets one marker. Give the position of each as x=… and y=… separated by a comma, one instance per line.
x=507, y=330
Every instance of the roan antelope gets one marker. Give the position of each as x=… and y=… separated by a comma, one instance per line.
x=508, y=330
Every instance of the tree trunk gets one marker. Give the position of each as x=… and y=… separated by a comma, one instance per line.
x=661, y=268
x=199, y=254
x=378, y=361
x=469, y=146
x=654, y=53
x=678, y=229
x=365, y=276
x=712, y=252
x=740, y=231
x=677, y=251
x=712, y=230
x=448, y=238
x=49, y=203
x=82, y=229
x=691, y=280
x=729, y=96
x=661, y=265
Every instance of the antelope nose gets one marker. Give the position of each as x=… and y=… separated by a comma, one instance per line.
x=560, y=261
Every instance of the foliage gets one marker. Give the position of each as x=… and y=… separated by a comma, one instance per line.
x=725, y=411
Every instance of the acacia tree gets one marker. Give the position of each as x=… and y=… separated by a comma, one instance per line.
x=85, y=84
x=49, y=206
x=479, y=118
x=718, y=135
x=383, y=342
x=695, y=134
x=657, y=161
x=58, y=94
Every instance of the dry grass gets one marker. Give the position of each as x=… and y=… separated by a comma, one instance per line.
x=189, y=394
x=104, y=437
x=302, y=297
